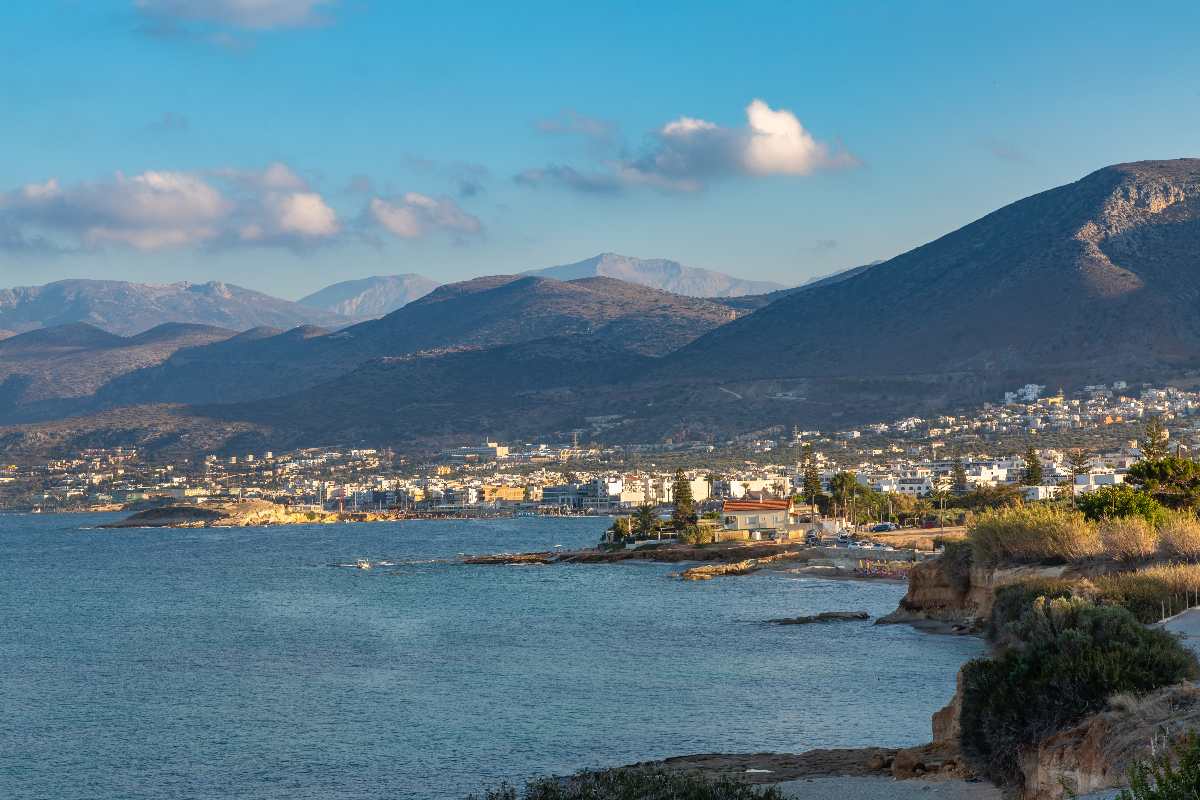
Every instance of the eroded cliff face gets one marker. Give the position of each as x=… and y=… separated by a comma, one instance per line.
x=939, y=600
x=1090, y=756
x=1096, y=753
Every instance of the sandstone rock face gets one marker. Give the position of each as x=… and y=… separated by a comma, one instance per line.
x=933, y=596
x=1095, y=754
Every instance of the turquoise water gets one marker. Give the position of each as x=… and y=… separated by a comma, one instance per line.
x=240, y=664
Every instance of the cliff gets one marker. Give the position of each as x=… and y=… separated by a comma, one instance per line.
x=939, y=599
x=1095, y=754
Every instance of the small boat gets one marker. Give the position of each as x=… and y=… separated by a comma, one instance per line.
x=362, y=563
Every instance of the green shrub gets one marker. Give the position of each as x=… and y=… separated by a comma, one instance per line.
x=1071, y=658
x=1013, y=602
x=1164, y=777
x=1033, y=533
x=1120, y=500
x=957, y=558
x=634, y=784
x=1180, y=533
x=1129, y=538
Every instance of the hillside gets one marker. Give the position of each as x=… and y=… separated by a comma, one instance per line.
x=127, y=308
x=50, y=372
x=370, y=298
x=1094, y=280
x=658, y=273
x=506, y=391
x=480, y=313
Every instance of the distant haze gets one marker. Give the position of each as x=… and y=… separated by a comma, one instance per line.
x=659, y=273
x=368, y=298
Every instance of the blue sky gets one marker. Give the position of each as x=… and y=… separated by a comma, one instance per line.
x=287, y=144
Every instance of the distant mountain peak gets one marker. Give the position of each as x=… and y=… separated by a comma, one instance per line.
x=658, y=273
x=126, y=309
x=368, y=298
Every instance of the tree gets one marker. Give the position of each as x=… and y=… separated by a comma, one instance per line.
x=1120, y=500
x=1154, y=446
x=1032, y=476
x=812, y=476
x=958, y=478
x=645, y=522
x=1079, y=462
x=1171, y=480
x=843, y=485
x=621, y=528
x=685, y=508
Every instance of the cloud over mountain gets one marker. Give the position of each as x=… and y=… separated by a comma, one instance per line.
x=160, y=209
x=415, y=215
x=687, y=153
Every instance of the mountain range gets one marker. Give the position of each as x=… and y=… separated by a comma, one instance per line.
x=659, y=273
x=127, y=309
x=1089, y=282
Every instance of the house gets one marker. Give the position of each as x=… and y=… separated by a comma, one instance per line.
x=754, y=519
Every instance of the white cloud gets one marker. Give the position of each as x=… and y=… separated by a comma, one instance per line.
x=687, y=125
x=163, y=209
x=415, y=215
x=304, y=214
x=686, y=153
x=777, y=144
x=247, y=14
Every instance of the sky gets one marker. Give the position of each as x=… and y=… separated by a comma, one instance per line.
x=284, y=145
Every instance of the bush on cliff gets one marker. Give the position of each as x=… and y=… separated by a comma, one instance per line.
x=1168, y=775
x=1013, y=602
x=1071, y=658
x=957, y=558
x=634, y=784
x=1033, y=533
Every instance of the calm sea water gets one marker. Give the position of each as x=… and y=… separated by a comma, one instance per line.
x=239, y=664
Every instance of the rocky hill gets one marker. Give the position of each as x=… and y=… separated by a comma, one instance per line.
x=1089, y=282
x=1094, y=280
x=127, y=308
x=370, y=298
x=51, y=372
x=658, y=273
x=480, y=313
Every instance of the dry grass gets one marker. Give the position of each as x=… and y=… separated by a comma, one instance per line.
x=1128, y=538
x=1034, y=533
x=1151, y=593
x=1180, y=533
x=919, y=540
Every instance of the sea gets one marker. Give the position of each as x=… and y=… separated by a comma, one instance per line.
x=259, y=663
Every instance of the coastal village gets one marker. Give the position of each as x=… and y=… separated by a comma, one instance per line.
x=742, y=489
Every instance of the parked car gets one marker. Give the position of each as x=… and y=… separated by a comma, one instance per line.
x=884, y=527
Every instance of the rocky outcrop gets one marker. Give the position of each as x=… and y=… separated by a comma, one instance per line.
x=824, y=616
x=246, y=514
x=500, y=559
x=710, y=571
x=1096, y=753
x=939, y=600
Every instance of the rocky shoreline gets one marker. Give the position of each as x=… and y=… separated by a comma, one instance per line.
x=244, y=514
